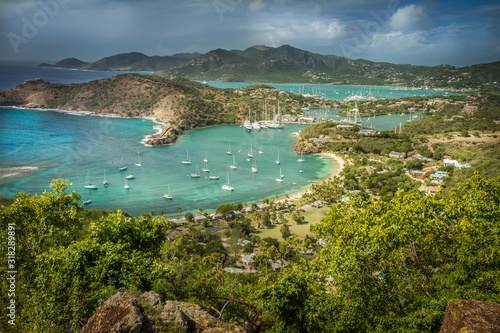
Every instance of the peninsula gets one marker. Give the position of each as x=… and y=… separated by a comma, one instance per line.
x=179, y=103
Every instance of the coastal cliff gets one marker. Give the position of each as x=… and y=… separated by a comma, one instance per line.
x=180, y=104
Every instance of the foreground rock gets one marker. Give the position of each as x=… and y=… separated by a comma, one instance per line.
x=123, y=313
x=120, y=313
x=471, y=317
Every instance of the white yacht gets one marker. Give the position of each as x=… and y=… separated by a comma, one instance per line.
x=196, y=174
x=301, y=159
x=168, y=196
x=247, y=125
x=229, y=150
x=254, y=168
x=205, y=169
x=278, y=160
x=130, y=176
x=281, y=177
x=138, y=163
x=250, y=154
x=256, y=126
x=214, y=177
x=206, y=158
x=187, y=160
x=126, y=184
x=233, y=166
x=89, y=184
x=227, y=187
x=105, y=182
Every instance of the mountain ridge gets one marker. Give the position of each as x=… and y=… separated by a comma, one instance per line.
x=287, y=64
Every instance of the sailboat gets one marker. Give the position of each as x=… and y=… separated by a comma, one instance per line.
x=89, y=185
x=229, y=150
x=86, y=202
x=278, y=160
x=130, y=176
x=260, y=150
x=227, y=187
x=250, y=154
x=104, y=182
x=126, y=184
x=206, y=158
x=138, y=163
x=233, y=166
x=281, y=177
x=301, y=159
x=168, y=196
x=214, y=177
x=123, y=167
x=254, y=168
x=187, y=160
x=205, y=169
x=196, y=174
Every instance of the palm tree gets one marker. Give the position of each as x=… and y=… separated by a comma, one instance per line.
x=179, y=209
x=162, y=212
x=200, y=210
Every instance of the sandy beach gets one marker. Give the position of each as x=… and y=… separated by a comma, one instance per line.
x=336, y=169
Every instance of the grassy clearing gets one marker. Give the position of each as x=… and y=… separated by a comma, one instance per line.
x=311, y=216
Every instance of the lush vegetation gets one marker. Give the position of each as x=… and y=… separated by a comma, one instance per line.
x=390, y=266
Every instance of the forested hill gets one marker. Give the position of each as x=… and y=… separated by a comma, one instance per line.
x=286, y=63
x=132, y=61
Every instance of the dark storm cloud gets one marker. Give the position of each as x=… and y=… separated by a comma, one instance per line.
x=423, y=32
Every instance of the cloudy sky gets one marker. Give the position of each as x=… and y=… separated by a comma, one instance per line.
x=417, y=32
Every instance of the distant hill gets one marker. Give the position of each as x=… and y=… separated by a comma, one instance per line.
x=133, y=61
x=288, y=64
x=67, y=63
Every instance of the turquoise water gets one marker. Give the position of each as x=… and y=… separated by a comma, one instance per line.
x=68, y=146
x=379, y=123
x=37, y=146
x=338, y=92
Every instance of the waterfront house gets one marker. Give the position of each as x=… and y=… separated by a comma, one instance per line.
x=216, y=216
x=179, y=222
x=199, y=218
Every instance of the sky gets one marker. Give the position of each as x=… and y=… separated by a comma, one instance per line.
x=459, y=33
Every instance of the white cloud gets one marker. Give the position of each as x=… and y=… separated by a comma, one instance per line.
x=411, y=17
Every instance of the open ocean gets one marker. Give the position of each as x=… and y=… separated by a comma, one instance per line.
x=37, y=146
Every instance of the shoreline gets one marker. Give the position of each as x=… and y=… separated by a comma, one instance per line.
x=338, y=166
x=102, y=115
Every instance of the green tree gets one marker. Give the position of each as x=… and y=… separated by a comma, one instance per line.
x=399, y=264
x=285, y=231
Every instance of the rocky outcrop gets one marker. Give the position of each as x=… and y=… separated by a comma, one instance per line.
x=471, y=317
x=123, y=313
x=167, y=136
x=120, y=313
